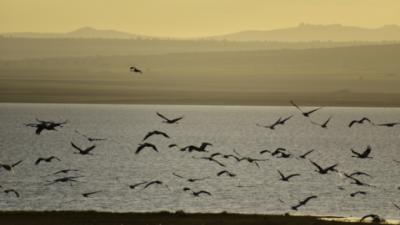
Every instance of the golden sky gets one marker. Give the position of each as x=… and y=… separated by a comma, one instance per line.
x=190, y=18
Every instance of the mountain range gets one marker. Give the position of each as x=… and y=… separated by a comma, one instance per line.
x=300, y=33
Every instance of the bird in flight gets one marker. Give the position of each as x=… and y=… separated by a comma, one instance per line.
x=45, y=125
x=64, y=180
x=211, y=159
x=155, y=132
x=88, y=194
x=305, y=113
x=10, y=167
x=326, y=169
x=227, y=173
x=286, y=178
x=375, y=218
x=201, y=148
x=145, y=145
x=48, y=159
x=280, y=121
x=355, y=180
x=358, y=193
x=197, y=193
x=90, y=139
x=65, y=171
x=8, y=191
x=363, y=155
x=156, y=182
x=361, y=121
x=133, y=186
x=303, y=202
x=306, y=154
x=134, y=69
x=324, y=125
x=191, y=180
x=86, y=151
x=387, y=124
x=169, y=121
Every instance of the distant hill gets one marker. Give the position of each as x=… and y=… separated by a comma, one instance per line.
x=309, y=32
x=84, y=32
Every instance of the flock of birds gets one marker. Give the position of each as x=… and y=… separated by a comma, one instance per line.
x=217, y=158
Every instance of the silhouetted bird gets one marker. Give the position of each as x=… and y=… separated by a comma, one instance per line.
x=86, y=151
x=252, y=160
x=9, y=167
x=88, y=194
x=156, y=182
x=133, y=186
x=363, y=155
x=65, y=171
x=358, y=193
x=146, y=145
x=356, y=181
x=64, y=180
x=226, y=172
x=324, y=170
x=324, y=125
x=48, y=159
x=397, y=206
x=301, y=203
x=12, y=191
x=361, y=121
x=155, y=132
x=134, y=69
x=202, y=147
x=169, y=121
x=45, y=125
x=209, y=158
x=197, y=193
x=190, y=179
x=277, y=151
x=359, y=173
x=375, y=218
x=272, y=126
x=306, y=114
x=387, y=124
x=286, y=178
x=90, y=139
x=305, y=154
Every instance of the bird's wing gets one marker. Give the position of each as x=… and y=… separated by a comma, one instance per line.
x=221, y=172
x=76, y=147
x=39, y=129
x=219, y=163
x=264, y=151
x=15, y=164
x=294, y=104
x=307, y=153
x=352, y=123
x=178, y=175
x=293, y=175
x=354, y=152
x=314, y=110
x=90, y=148
x=309, y=198
x=332, y=167
x=398, y=207
x=316, y=165
x=315, y=123
x=176, y=119
x=162, y=116
x=327, y=121
x=164, y=134
x=367, y=151
x=139, y=149
x=38, y=161
x=281, y=174
x=286, y=119
x=147, y=135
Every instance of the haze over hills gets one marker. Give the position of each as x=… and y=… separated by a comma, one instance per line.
x=300, y=33
x=83, y=32
x=309, y=32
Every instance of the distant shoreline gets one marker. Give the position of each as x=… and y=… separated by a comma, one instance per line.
x=156, y=218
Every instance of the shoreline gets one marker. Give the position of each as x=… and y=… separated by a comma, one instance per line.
x=166, y=218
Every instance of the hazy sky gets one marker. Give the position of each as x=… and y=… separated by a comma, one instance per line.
x=190, y=18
